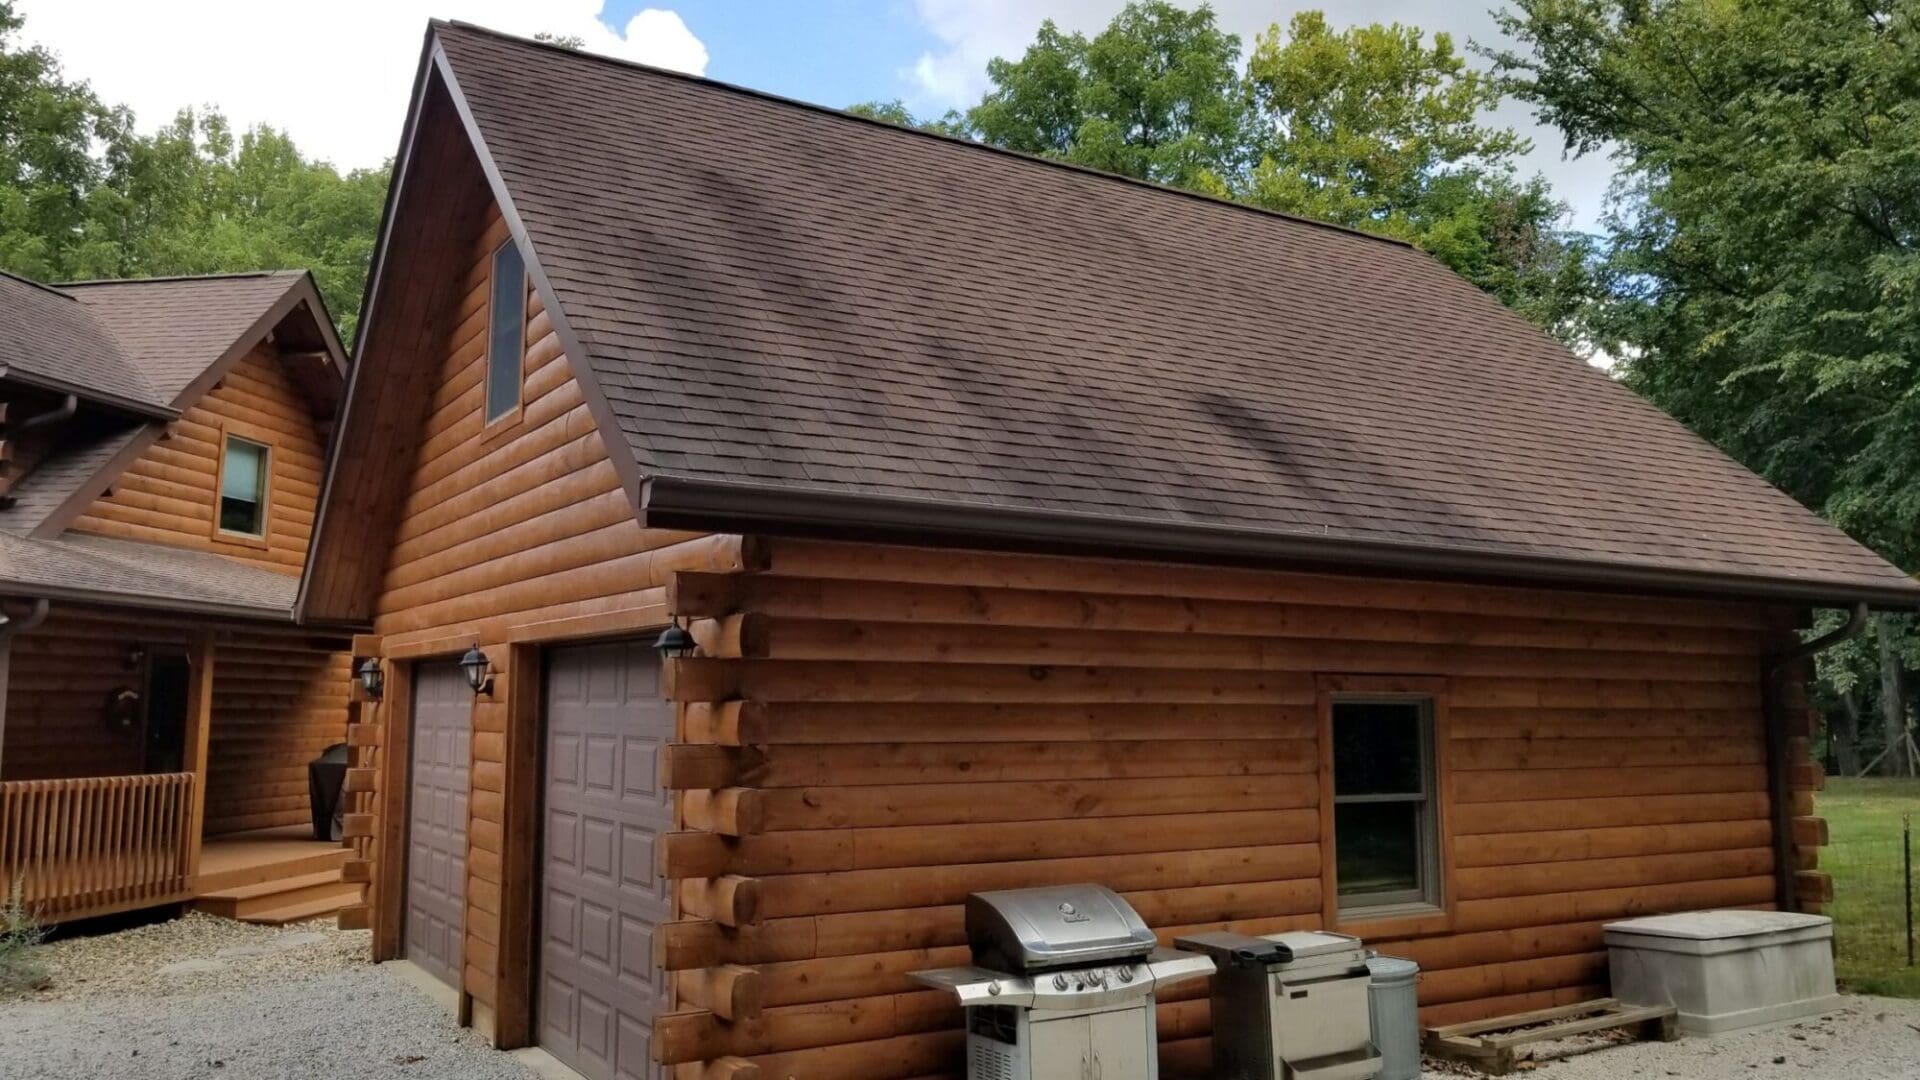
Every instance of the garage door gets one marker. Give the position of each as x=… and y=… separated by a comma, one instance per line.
x=437, y=819
x=600, y=897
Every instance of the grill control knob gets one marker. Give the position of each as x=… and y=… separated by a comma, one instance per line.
x=993, y=989
x=1059, y=982
x=1126, y=974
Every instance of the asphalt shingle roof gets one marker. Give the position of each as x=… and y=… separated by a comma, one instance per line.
x=773, y=293
x=50, y=336
x=173, y=329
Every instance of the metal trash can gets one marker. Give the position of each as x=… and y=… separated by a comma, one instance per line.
x=1393, y=1004
x=326, y=775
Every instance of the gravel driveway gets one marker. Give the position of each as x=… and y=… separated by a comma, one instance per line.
x=201, y=997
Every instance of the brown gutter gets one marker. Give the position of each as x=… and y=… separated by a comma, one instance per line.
x=1776, y=670
x=69, y=405
x=96, y=396
x=681, y=503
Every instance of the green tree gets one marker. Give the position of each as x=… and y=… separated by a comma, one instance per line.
x=194, y=198
x=1155, y=96
x=1763, y=278
x=83, y=195
x=48, y=169
x=1379, y=128
x=1766, y=236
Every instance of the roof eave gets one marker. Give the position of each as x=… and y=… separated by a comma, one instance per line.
x=116, y=402
x=147, y=602
x=683, y=503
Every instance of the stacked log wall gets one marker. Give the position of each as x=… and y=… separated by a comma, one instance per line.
x=873, y=732
x=169, y=495
x=513, y=533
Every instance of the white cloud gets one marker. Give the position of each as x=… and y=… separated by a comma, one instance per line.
x=336, y=77
x=971, y=32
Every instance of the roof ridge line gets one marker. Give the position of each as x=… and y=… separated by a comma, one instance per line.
x=230, y=275
x=41, y=285
x=952, y=140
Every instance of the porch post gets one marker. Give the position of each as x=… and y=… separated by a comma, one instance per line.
x=199, y=720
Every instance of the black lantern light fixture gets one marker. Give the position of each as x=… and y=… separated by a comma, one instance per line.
x=674, y=642
x=372, y=678
x=478, y=670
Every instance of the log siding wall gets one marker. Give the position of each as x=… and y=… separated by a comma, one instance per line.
x=170, y=494
x=509, y=536
x=873, y=732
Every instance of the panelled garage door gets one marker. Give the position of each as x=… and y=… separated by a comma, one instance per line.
x=437, y=819
x=600, y=898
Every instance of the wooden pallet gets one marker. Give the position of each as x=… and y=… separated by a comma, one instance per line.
x=1492, y=1045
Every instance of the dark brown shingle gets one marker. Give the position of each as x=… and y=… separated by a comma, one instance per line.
x=777, y=294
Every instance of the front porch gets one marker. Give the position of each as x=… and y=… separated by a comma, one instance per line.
x=81, y=848
x=152, y=761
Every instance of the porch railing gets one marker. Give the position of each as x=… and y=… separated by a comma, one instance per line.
x=95, y=845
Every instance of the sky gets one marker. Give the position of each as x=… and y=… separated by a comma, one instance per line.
x=336, y=76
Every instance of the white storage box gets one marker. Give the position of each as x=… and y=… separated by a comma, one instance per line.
x=1725, y=970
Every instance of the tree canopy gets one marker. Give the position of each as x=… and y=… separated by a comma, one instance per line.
x=1762, y=278
x=83, y=194
x=1764, y=270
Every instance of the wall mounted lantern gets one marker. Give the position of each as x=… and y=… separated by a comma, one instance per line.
x=372, y=679
x=478, y=669
x=674, y=642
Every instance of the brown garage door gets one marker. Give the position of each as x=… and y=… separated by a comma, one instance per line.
x=437, y=819
x=601, y=900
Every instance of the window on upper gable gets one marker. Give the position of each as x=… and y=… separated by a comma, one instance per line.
x=506, y=332
x=243, y=487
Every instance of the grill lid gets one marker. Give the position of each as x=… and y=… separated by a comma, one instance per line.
x=1021, y=930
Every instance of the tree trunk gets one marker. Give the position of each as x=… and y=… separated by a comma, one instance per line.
x=1893, y=705
x=1843, y=737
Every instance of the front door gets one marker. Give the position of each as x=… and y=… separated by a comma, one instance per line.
x=437, y=820
x=598, y=990
x=166, y=708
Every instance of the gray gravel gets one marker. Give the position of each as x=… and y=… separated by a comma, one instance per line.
x=1870, y=1038
x=201, y=998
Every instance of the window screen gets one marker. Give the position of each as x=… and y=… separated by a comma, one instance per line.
x=506, y=331
x=1385, y=836
x=243, y=487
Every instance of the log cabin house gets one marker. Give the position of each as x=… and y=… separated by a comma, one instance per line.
x=160, y=458
x=1034, y=525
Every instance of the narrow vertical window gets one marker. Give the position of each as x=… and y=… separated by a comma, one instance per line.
x=506, y=331
x=1386, y=835
x=243, y=487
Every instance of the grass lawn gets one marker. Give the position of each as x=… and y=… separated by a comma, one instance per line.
x=1863, y=820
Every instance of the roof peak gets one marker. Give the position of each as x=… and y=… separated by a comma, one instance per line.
x=41, y=285
x=885, y=125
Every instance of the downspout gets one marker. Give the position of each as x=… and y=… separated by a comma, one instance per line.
x=63, y=411
x=10, y=627
x=1779, y=788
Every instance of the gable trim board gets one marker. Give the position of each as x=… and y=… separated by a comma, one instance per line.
x=1646, y=549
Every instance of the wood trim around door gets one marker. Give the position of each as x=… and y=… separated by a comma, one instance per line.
x=396, y=775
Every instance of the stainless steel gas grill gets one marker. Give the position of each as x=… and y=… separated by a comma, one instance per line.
x=1062, y=985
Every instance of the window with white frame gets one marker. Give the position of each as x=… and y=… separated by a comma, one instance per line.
x=1386, y=828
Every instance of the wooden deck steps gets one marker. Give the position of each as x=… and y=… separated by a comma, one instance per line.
x=273, y=877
